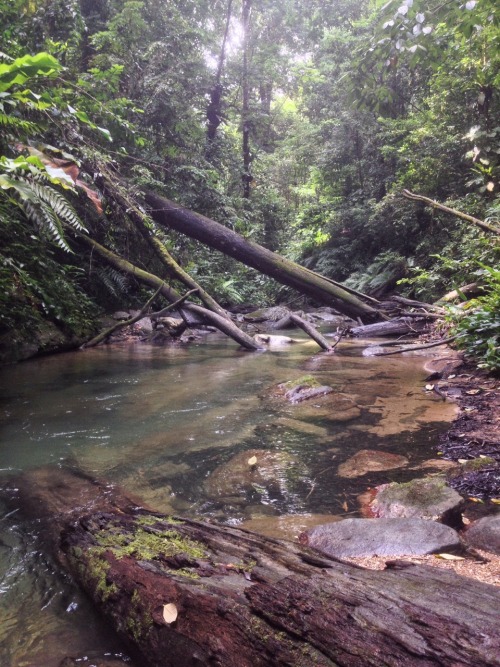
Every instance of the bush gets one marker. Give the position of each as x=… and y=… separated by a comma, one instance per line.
x=478, y=330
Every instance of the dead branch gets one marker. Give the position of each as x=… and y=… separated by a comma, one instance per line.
x=452, y=211
x=445, y=341
x=121, y=325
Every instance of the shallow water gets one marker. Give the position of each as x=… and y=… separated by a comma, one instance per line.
x=168, y=425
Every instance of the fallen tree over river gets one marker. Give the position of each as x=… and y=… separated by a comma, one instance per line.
x=187, y=593
x=171, y=215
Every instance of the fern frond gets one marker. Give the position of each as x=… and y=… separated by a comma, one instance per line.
x=114, y=281
x=59, y=204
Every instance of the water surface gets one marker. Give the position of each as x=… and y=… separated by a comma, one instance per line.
x=168, y=424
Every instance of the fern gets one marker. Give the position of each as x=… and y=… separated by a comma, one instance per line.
x=114, y=281
x=30, y=187
x=18, y=125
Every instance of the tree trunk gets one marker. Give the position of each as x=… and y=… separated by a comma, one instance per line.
x=168, y=214
x=186, y=593
x=214, y=109
x=245, y=109
x=222, y=323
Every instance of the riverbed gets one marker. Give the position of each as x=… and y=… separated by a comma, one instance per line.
x=171, y=426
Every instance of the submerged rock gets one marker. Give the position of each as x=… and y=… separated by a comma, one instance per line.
x=428, y=498
x=381, y=537
x=301, y=426
x=485, y=534
x=370, y=460
x=334, y=407
x=254, y=470
x=287, y=526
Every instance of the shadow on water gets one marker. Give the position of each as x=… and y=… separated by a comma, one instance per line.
x=179, y=427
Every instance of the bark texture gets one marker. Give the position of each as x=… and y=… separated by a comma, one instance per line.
x=187, y=593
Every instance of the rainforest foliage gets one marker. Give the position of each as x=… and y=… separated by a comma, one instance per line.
x=296, y=123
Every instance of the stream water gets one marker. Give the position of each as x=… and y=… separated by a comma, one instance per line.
x=175, y=426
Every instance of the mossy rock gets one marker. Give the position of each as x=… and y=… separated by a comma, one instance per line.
x=427, y=498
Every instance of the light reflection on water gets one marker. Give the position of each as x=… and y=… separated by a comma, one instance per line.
x=163, y=423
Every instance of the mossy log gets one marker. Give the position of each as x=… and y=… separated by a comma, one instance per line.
x=187, y=593
x=323, y=290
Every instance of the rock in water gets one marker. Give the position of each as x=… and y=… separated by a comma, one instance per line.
x=370, y=460
x=381, y=537
x=427, y=498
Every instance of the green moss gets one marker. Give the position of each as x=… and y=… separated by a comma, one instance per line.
x=139, y=621
x=151, y=520
x=97, y=571
x=478, y=464
x=303, y=381
x=422, y=492
x=148, y=544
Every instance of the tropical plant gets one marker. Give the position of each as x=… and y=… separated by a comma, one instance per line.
x=478, y=329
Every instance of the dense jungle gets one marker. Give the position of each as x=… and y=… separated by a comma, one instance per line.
x=180, y=181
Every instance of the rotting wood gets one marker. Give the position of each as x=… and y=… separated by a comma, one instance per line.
x=244, y=600
x=413, y=348
x=396, y=327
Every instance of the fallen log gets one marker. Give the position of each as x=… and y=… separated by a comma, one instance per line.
x=398, y=327
x=224, y=324
x=187, y=593
x=171, y=215
x=453, y=211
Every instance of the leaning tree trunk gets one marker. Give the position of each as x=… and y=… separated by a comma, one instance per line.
x=215, y=235
x=203, y=315
x=187, y=593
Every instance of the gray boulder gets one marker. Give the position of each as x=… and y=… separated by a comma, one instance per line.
x=427, y=498
x=485, y=534
x=381, y=537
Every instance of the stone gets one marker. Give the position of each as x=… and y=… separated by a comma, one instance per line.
x=273, y=340
x=272, y=314
x=428, y=498
x=381, y=537
x=485, y=534
x=334, y=407
x=240, y=475
x=286, y=526
x=144, y=325
x=120, y=315
x=370, y=460
x=301, y=427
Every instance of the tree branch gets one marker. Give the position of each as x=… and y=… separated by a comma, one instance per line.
x=464, y=216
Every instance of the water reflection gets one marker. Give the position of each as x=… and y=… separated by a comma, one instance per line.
x=177, y=427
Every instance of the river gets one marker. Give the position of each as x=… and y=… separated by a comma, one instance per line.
x=168, y=425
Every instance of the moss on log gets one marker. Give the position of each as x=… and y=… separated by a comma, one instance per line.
x=187, y=593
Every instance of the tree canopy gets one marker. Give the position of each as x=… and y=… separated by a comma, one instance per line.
x=295, y=124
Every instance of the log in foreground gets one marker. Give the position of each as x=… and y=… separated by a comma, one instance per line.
x=187, y=593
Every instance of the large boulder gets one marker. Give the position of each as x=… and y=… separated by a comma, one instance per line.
x=485, y=534
x=381, y=537
x=370, y=460
x=427, y=498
